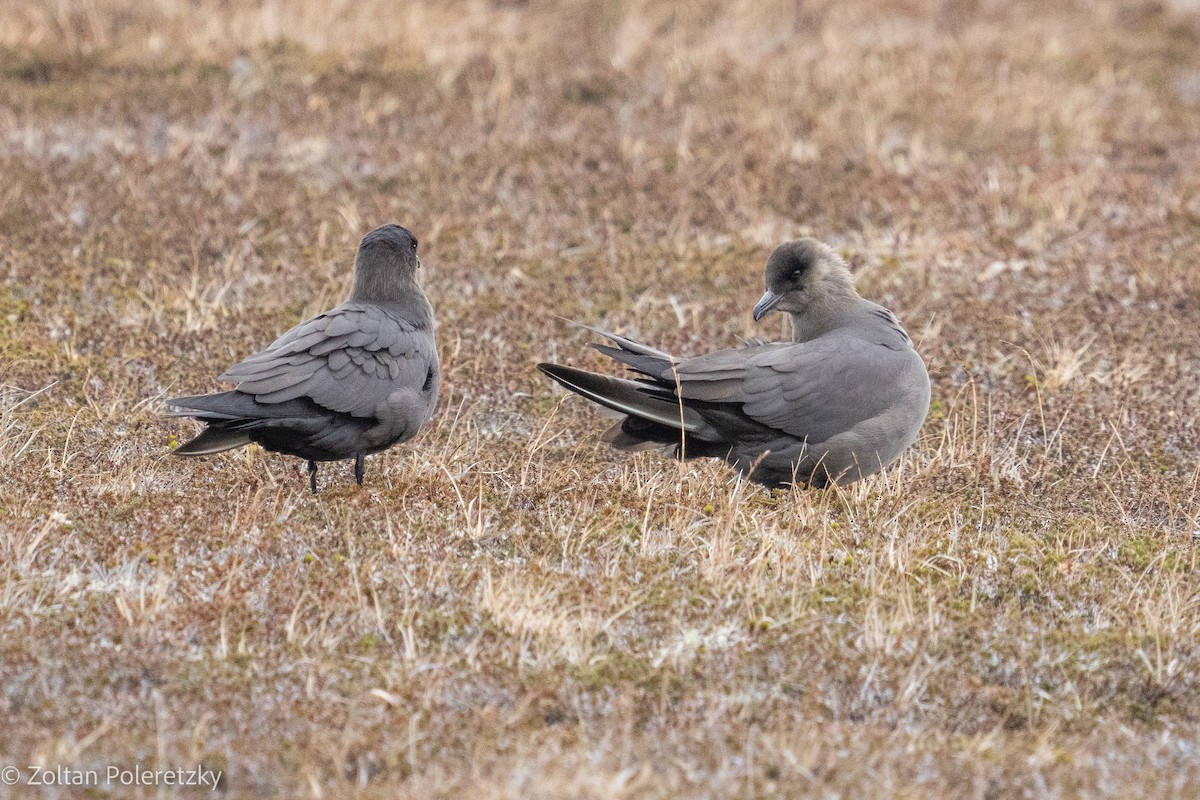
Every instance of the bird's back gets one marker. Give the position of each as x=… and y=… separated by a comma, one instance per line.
x=847, y=402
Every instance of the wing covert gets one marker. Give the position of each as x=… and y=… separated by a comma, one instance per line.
x=348, y=360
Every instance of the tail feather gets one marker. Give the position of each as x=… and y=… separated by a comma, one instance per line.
x=639, y=357
x=210, y=407
x=691, y=415
x=648, y=364
x=627, y=397
x=213, y=440
x=231, y=416
x=633, y=435
x=619, y=439
x=628, y=344
x=239, y=407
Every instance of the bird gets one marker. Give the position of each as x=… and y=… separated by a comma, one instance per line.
x=350, y=382
x=838, y=403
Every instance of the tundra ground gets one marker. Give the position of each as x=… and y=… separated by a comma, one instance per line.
x=508, y=608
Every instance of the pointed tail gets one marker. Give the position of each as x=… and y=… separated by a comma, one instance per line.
x=628, y=397
x=212, y=440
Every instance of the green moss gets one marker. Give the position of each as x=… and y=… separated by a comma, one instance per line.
x=613, y=669
x=1139, y=551
x=125, y=510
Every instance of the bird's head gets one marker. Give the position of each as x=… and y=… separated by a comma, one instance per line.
x=803, y=274
x=390, y=246
x=385, y=269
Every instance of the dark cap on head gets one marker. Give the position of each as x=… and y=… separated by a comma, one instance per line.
x=790, y=262
x=386, y=266
x=802, y=274
x=391, y=236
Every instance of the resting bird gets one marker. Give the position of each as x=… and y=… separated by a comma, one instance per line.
x=353, y=381
x=839, y=403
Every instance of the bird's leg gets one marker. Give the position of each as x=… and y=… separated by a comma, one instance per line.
x=312, y=475
x=360, y=468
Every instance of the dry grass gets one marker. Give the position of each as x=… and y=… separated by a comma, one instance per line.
x=507, y=608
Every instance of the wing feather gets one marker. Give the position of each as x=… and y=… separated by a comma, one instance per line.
x=348, y=360
x=803, y=389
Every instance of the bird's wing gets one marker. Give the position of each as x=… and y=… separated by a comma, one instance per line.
x=628, y=345
x=627, y=397
x=812, y=389
x=347, y=360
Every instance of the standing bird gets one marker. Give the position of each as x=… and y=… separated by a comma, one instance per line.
x=353, y=381
x=838, y=403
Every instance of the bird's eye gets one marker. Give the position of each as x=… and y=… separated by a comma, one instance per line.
x=796, y=273
x=414, y=245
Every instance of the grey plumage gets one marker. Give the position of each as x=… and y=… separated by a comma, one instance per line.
x=353, y=381
x=840, y=402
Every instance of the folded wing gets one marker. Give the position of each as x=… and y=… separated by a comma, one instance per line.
x=347, y=360
x=810, y=390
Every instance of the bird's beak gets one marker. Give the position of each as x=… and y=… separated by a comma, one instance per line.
x=768, y=301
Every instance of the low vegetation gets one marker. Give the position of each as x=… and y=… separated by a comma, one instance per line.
x=508, y=608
